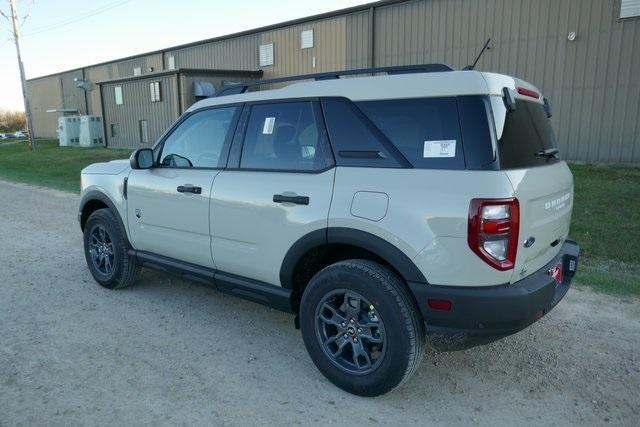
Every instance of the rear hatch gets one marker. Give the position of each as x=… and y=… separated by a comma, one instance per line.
x=542, y=183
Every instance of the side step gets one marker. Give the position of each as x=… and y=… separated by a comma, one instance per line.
x=249, y=289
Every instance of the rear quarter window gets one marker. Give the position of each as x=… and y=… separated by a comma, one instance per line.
x=426, y=130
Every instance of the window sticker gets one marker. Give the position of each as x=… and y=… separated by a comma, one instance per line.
x=267, y=129
x=439, y=149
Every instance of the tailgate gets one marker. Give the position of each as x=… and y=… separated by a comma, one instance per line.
x=545, y=194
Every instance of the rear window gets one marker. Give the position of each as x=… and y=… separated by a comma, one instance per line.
x=526, y=132
x=426, y=131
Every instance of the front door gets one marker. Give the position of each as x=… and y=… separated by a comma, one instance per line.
x=280, y=191
x=168, y=205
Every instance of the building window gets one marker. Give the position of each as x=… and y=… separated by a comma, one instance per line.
x=114, y=130
x=144, y=131
x=306, y=39
x=171, y=62
x=117, y=91
x=137, y=71
x=629, y=8
x=266, y=54
x=154, y=88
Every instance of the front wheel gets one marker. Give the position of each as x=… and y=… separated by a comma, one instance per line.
x=106, y=251
x=361, y=327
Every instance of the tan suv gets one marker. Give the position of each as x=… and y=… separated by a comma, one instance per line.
x=380, y=210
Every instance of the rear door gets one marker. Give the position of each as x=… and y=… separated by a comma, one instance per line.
x=276, y=189
x=542, y=183
x=168, y=205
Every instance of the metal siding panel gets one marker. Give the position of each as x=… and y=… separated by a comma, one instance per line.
x=357, y=40
x=138, y=106
x=72, y=95
x=44, y=94
x=240, y=53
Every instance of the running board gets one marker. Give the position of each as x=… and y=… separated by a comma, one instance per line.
x=249, y=289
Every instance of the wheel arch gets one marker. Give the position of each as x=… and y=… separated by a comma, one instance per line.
x=343, y=236
x=94, y=200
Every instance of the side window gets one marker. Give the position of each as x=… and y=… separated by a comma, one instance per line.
x=479, y=146
x=199, y=141
x=425, y=130
x=284, y=136
x=354, y=140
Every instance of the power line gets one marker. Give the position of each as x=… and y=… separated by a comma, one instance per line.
x=78, y=18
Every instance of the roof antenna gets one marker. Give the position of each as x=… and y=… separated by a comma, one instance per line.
x=485, y=47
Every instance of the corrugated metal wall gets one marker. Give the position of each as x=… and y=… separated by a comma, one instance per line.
x=44, y=94
x=358, y=53
x=137, y=106
x=232, y=54
x=592, y=82
x=72, y=96
x=329, y=48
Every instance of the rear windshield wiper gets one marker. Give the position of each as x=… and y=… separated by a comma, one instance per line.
x=548, y=153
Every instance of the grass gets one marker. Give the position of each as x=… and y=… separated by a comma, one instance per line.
x=51, y=165
x=606, y=223
x=606, y=214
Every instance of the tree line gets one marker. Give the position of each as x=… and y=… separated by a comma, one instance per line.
x=12, y=121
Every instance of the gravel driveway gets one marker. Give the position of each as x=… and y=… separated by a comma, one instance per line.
x=167, y=351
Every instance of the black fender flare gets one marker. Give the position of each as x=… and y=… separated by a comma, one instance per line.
x=97, y=195
x=349, y=236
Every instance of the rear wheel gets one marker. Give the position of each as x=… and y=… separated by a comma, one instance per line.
x=361, y=327
x=106, y=251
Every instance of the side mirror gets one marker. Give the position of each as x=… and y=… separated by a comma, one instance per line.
x=142, y=158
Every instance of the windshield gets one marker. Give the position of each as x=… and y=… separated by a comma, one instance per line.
x=525, y=136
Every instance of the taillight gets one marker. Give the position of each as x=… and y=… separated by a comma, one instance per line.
x=493, y=231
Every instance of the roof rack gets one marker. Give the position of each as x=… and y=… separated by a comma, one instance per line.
x=398, y=69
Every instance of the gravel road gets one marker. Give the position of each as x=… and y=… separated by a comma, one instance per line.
x=167, y=351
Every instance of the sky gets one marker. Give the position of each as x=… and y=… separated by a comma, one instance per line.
x=64, y=34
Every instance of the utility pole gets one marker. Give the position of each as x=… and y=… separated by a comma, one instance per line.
x=16, y=40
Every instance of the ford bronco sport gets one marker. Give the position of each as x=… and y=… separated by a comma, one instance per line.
x=382, y=211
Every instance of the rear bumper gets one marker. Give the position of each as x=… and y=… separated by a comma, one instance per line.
x=484, y=314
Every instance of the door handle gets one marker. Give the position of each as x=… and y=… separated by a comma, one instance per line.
x=298, y=200
x=188, y=188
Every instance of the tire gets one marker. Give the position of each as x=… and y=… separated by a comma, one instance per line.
x=387, y=324
x=111, y=251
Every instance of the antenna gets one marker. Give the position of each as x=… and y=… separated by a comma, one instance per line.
x=485, y=47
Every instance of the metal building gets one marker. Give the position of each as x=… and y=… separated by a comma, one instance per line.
x=583, y=54
x=138, y=109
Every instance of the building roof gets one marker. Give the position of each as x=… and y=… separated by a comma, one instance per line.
x=278, y=25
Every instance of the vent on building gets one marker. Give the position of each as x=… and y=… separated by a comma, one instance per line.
x=306, y=39
x=266, y=54
x=171, y=62
x=629, y=8
x=203, y=89
x=137, y=71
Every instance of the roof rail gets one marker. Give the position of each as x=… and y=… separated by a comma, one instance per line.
x=398, y=69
